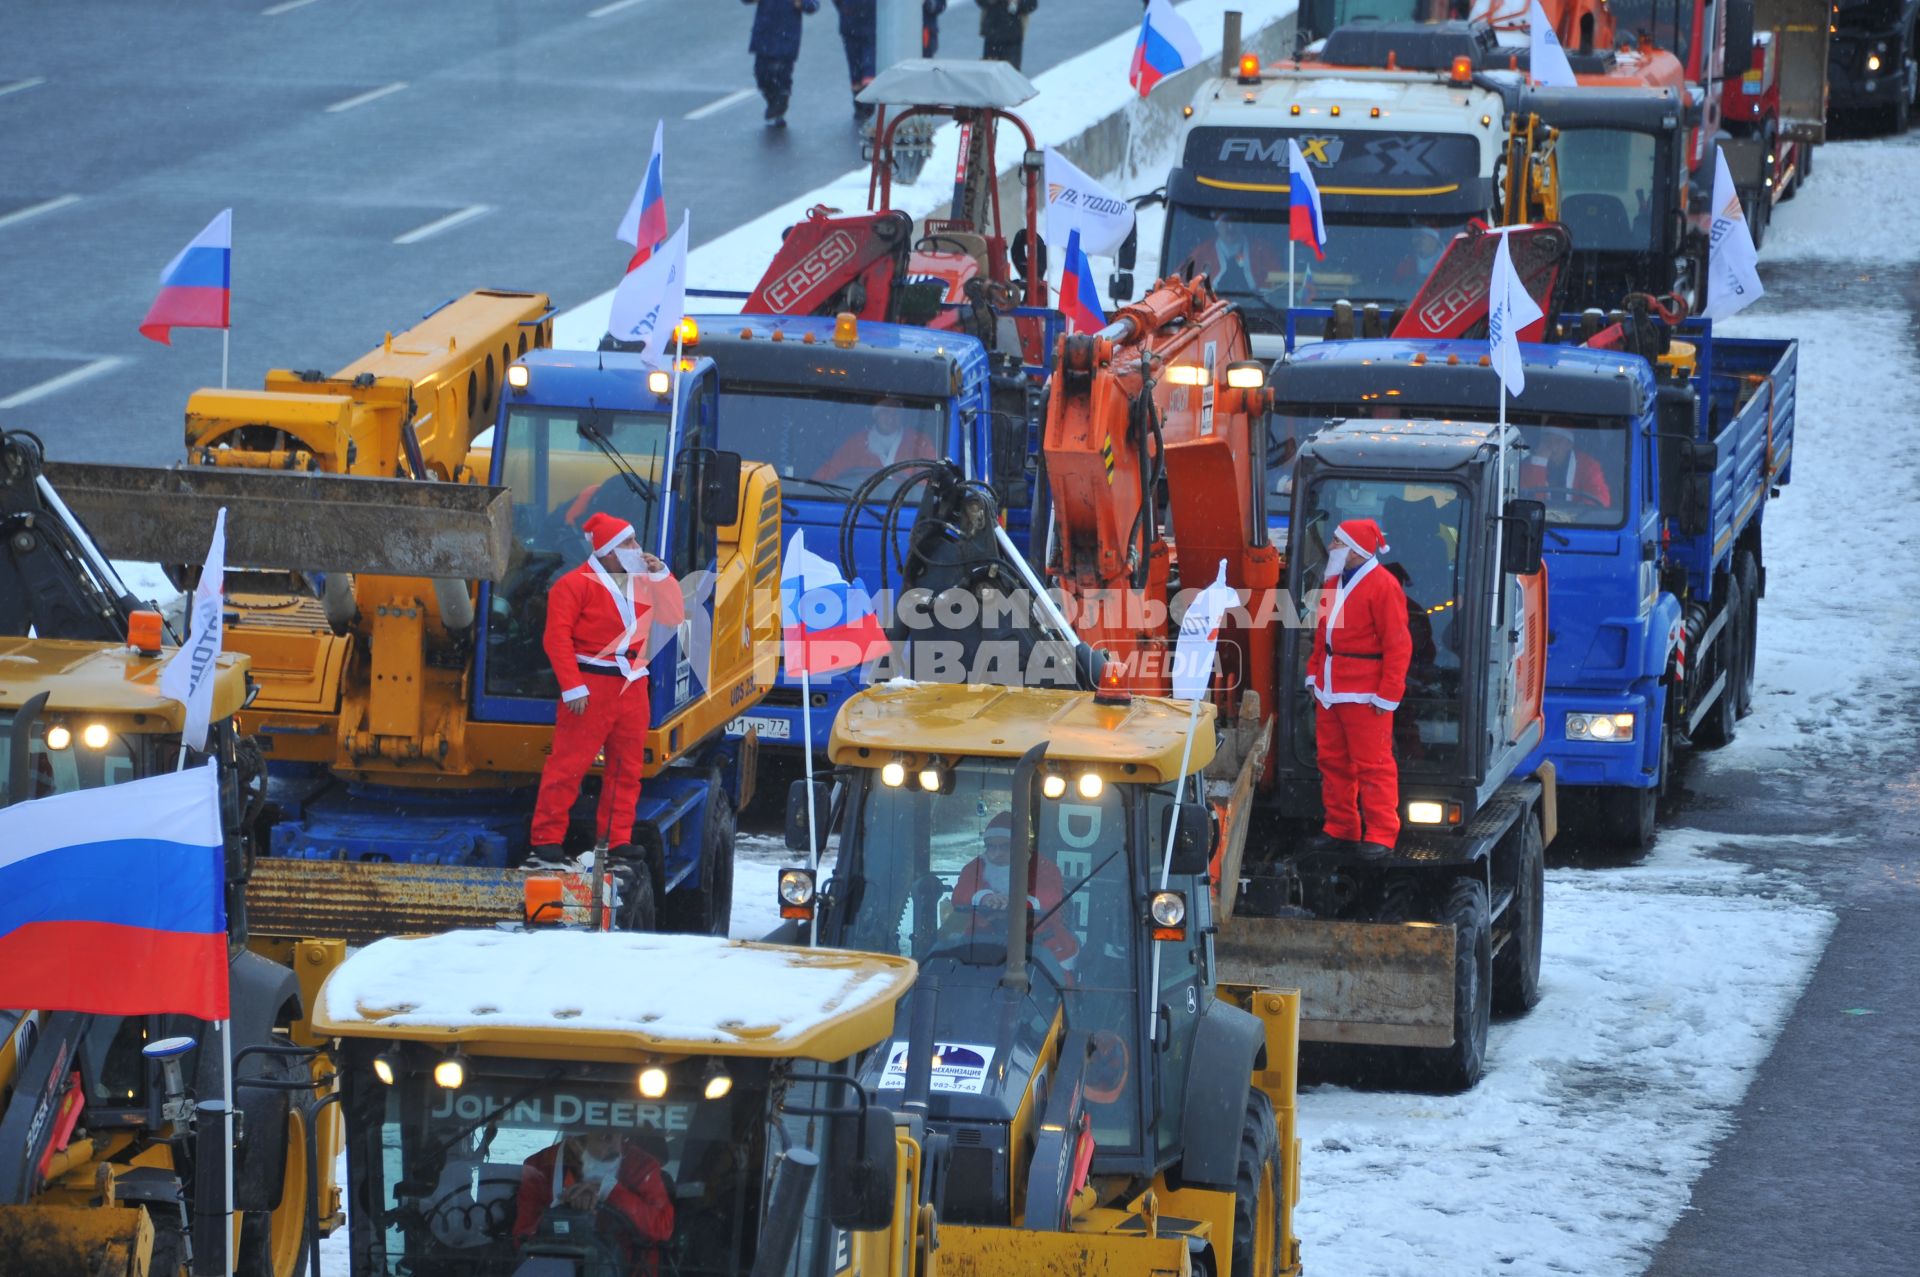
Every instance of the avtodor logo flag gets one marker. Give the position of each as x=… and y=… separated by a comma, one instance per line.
x=1733, y=273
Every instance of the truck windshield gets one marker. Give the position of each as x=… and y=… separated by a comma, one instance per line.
x=1578, y=469
x=74, y=765
x=1606, y=184
x=559, y=477
x=825, y=444
x=934, y=879
x=1368, y=258
x=1670, y=24
x=528, y=1161
x=1422, y=521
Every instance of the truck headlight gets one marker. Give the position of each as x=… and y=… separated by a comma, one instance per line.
x=1601, y=727
x=1425, y=813
x=1873, y=62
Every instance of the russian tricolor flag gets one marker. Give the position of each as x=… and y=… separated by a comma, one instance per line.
x=645, y=223
x=1167, y=44
x=1078, y=300
x=196, y=288
x=113, y=901
x=826, y=624
x=1305, y=225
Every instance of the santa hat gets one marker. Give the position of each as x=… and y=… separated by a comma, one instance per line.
x=1000, y=828
x=604, y=532
x=1362, y=536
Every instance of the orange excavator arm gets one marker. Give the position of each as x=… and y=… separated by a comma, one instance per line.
x=1147, y=447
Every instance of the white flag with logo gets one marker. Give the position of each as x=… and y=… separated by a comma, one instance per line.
x=189, y=675
x=1733, y=275
x=1547, y=61
x=1510, y=308
x=1199, y=636
x=1076, y=201
x=652, y=299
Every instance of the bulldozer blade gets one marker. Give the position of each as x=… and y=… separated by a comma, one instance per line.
x=361, y=901
x=76, y=1241
x=1380, y=984
x=310, y=522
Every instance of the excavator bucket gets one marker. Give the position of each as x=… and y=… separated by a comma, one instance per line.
x=361, y=901
x=77, y=1241
x=310, y=522
x=1453, y=301
x=1380, y=984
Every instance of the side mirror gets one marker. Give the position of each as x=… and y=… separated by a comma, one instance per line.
x=720, y=488
x=797, y=811
x=1526, y=534
x=861, y=1170
x=1739, y=38
x=1120, y=283
x=1193, y=839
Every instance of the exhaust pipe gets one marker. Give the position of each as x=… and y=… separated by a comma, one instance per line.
x=1230, y=44
x=786, y=1210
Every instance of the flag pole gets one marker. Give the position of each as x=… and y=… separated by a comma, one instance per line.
x=1500, y=496
x=813, y=835
x=1291, y=243
x=226, y=337
x=226, y=1091
x=673, y=443
x=1173, y=827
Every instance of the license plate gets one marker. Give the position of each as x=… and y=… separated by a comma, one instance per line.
x=770, y=728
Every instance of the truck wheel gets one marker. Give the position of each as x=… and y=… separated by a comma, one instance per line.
x=1516, y=972
x=1256, y=1191
x=1717, y=728
x=1747, y=572
x=1457, y=1067
x=1631, y=817
x=273, y=1243
x=707, y=909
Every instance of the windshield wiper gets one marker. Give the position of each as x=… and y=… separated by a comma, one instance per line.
x=639, y=486
x=836, y=489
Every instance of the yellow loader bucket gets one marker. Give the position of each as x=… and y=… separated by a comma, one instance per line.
x=1380, y=984
x=995, y=1252
x=76, y=1241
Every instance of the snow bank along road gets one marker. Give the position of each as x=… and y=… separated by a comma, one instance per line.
x=1668, y=982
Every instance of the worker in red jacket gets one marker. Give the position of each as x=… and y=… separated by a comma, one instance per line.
x=1358, y=673
x=599, y=617
x=602, y=1172
x=983, y=886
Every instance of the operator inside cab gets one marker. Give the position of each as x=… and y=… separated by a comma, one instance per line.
x=887, y=439
x=1574, y=470
x=983, y=886
x=602, y=1181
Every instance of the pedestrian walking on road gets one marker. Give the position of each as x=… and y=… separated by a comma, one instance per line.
x=775, y=44
x=857, y=19
x=930, y=11
x=1003, y=29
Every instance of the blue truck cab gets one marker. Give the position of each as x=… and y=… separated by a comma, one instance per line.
x=829, y=403
x=1655, y=479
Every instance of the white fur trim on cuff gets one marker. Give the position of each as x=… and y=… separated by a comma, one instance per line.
x=1386, y=705
x=573, y=694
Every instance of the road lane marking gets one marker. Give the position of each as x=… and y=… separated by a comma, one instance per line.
x=371, y=95
x=34, y=210
x=448, y=222
x=288, y=6
x=31, y=82
x=54, y=385
x=714, y=108
x=615, y=7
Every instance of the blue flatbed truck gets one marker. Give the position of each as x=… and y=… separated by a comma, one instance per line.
x=1655, y=550
x=797, y=390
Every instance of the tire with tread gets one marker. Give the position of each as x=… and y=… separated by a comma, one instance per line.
x=706, y=910
x=1718, y=727
x=1256, y=1177
x=1516, y=971
x=1457, y=1067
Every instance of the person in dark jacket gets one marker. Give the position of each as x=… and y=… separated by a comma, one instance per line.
x=930, y=11
x=857, y=19
x=775, y=45
x=1003, y=29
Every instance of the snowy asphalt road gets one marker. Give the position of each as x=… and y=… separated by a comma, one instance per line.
x=337, y=129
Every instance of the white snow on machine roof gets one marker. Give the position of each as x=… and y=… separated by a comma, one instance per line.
x=949, y=82
x=647, y=992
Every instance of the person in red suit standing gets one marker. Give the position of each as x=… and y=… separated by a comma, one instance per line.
x=601, y=1171
x=1358, y=673
x=599, y=617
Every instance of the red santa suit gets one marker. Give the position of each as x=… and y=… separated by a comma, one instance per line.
x=1358, y=667
x=872, y=450
x=630, y=1184
x=982, y=878
x=1575, y=472
x=596, y=638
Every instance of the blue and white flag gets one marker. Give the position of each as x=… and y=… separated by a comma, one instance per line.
x=190, y=672
x=652, y=300
x=1510, y=308
x=1733, y=273
x=1200, y=637
x=1547, y=61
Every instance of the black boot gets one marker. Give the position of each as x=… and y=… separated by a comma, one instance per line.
x=547, y=856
